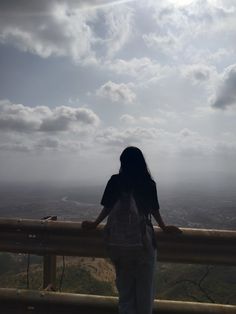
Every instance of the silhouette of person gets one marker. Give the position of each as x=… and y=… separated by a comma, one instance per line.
x=134, y=275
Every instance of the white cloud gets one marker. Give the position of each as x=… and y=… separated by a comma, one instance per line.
x=143, y=120
x=225, y=95
x=143, y=70
x=209, y=56
x=127, y=119
x=41, y=128
x=119, y=22
x=185, y=143
x=195, y=18
x=164, y=43
x=126, y=137
x=117, y=92
x=203, y=112
x=21, y=118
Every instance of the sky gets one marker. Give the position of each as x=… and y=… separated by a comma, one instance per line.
x=82, y=80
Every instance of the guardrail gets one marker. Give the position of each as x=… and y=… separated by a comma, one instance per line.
x=51, y=238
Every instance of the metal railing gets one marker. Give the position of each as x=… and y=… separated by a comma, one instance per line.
x=51, y=238
x=45, y=302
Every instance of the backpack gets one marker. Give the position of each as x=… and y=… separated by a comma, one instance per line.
x=125, y=231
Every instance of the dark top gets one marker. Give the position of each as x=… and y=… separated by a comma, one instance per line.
x=145, y=193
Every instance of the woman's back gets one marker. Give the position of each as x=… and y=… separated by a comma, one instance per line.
x=144, y=192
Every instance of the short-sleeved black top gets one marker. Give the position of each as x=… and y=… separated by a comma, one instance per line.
x=145, y=194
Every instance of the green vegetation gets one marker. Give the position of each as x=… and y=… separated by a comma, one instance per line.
x=80, y=280
x=202, y=283
x=76, y=279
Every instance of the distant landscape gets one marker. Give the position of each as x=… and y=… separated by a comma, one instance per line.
x=207, y=204
x=210, y=205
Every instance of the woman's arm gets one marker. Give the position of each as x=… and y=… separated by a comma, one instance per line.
x=156, y=214
x=93, y=224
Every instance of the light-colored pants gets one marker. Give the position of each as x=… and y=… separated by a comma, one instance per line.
x=135, y=282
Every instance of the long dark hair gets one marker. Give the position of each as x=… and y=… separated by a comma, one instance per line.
x=133, y=165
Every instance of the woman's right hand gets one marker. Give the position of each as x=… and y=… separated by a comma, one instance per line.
x=89, y=225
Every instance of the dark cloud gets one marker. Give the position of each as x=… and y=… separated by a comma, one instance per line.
x=8, y=7
x=63, y=28
x=226, y=93
x=24, y=6
x=198, y=73
x=17, y=124
x=64, y=117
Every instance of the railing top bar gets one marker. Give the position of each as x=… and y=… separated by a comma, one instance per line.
x=68, y=238
x=39, y=225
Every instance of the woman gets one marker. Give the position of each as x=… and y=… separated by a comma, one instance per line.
x=134, y=275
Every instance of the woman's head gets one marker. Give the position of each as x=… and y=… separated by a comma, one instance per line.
x=133, y=163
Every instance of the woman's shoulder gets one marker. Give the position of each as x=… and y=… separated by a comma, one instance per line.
x=114, y=179
x=115, y=176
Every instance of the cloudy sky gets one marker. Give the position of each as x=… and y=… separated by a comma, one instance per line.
x=81, y=80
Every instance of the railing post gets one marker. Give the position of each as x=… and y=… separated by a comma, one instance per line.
x=49, y=267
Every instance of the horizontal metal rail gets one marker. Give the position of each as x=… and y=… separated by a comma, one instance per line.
x=45, y=237
x=28, y=301
x=201, y=246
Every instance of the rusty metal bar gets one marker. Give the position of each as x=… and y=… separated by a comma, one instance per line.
x=44, y=302
x=42, y=237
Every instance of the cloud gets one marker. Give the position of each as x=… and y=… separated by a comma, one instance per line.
x=225, y=95
x=64, y=118
x=65, y=28
x=163, y=43
x=21, y=118
x=127, y=119
x=140, y=68
x=48, y=28
x=184, y=30
x=119, y=22
x=198, y=73
x=195, y=18
x=117, y=92
x=143, y=120
x=48, y=142
x=185, y=143
x=15, y=147
x=122, y=138
x=209, y=56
